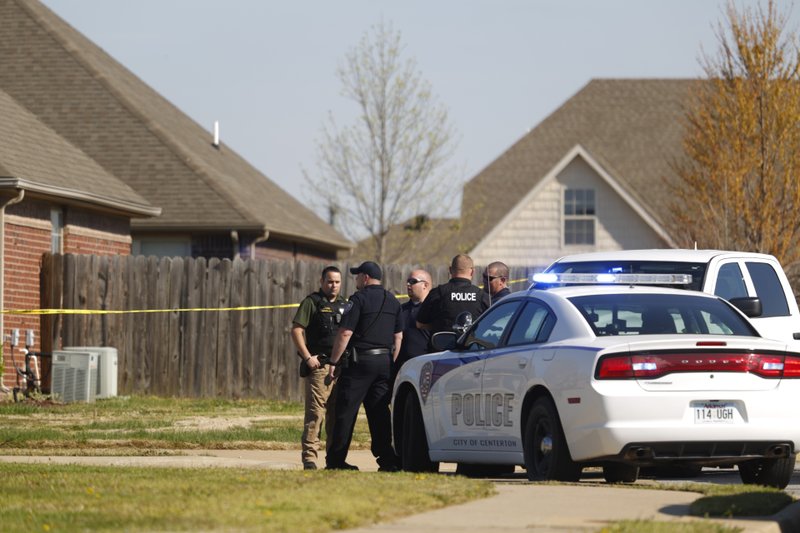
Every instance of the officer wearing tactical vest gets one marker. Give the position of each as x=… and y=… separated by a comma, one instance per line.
x=372, y=330
x=444, y=303
x=318, y=317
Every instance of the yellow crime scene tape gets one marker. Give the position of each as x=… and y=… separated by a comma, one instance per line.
x=186, y=310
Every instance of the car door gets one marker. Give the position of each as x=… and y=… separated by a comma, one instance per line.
x=461, y=409
x=506, y=373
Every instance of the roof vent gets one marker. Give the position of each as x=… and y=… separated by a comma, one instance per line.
x=215, y=143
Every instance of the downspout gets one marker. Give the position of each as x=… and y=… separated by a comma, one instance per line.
x=264, y=236
x=235, y=243
x=12, y=201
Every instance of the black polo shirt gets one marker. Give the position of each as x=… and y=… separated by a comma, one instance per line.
x=373, y=315
x=445, y=302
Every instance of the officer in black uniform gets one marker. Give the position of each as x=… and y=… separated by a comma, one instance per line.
x=372, y=330
x=444, y=303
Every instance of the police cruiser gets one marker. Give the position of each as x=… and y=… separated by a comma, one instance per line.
x=601, y=371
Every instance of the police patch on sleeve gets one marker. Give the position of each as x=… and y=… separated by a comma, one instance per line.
x=347, y=307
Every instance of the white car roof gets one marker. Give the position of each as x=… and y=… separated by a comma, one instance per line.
x=669, y=254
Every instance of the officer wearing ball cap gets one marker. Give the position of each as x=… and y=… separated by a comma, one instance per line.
x=372, y=331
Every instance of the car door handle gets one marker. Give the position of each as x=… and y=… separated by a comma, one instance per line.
x=522, y=363
x=796, y=335
x=476, y=372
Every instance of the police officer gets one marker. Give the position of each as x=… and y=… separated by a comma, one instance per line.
x=495, y=280
x=415, y=340
x=445, y=302
x=314, y=329
x=372, y=331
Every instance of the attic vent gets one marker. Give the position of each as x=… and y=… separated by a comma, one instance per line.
x=215, y=142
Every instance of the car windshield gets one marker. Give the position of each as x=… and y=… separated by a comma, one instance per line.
x=658, y=314
x=697, y=270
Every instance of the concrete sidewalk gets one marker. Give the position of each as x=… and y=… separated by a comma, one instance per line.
x=518, y=506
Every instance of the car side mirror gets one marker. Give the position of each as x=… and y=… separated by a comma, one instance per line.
x=444, y=340
x=463, y=322
x=751, y=307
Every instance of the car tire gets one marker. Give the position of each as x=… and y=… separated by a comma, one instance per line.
x=768, y=472
x=545, y=448
x=414, y=455
x=620, y=473
x=483, y=470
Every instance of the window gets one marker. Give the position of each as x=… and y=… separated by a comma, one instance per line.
x=579, y=216
x=533, y=325
x=769, y=289
x=730, y=283
x=57, y=231
x=486, y=334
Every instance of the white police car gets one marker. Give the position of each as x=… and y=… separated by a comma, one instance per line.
x=618, y=376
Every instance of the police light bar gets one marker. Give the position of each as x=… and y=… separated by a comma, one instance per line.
x=611, y=279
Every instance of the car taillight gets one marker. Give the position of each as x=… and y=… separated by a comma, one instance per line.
x=654, y=365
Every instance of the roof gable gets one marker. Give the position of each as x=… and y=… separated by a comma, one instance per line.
x=576, y=152
x=129, y=129
x=632, y=128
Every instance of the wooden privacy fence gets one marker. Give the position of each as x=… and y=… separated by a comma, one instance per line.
x=194, y=341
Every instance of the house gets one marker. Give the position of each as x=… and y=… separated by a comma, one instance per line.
x=53, y=198
x=213, y=202
x=592, y=176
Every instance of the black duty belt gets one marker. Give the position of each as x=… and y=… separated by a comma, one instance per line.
x=374, y=351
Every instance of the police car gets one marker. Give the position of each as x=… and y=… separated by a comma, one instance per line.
x=616, y=375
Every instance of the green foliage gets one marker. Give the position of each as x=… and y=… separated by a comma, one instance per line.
x=76, y=498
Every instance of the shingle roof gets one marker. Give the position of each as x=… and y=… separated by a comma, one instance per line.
x=632, y=127
x=414, y=242
x=35, y=158
x=129, y=129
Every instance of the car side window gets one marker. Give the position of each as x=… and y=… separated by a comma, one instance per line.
x=768, y=289
x=730, y=282
x=488, y=331
x=529, y=327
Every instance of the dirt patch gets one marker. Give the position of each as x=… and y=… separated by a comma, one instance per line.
x=209, y=423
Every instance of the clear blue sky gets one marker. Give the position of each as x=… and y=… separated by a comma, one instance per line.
x=266, y=69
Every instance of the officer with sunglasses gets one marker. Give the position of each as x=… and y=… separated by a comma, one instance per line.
x=415, y=340
x=495, y=280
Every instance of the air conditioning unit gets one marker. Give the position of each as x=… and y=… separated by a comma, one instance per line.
x=74, y=376
x=106, y=368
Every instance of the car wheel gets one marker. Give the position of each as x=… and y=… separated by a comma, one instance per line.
x=545, y=448
x=768, y=472
x=620, y=473
x=414, y=454
x=483, y=470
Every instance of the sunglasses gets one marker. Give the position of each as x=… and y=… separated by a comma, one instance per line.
x=414, y=281
x=490, y=278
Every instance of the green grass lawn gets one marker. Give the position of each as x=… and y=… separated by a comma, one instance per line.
x=140, y=424
x=80, y=498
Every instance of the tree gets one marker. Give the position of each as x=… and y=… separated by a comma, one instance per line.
x=389, y=166
x=738, y=184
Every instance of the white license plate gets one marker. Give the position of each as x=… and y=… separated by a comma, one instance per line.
x=714, y=413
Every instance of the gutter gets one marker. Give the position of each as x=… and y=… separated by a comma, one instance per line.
x=11, y=201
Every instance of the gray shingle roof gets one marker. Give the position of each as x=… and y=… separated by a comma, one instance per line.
x=129, y=129
x=35, y=158
x=632, y=127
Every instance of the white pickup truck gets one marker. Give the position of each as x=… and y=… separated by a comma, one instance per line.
x=755, y=283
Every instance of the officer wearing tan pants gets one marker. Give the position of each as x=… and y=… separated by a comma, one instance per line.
x=314, y=329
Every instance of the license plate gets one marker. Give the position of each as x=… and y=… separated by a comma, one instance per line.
x=714, y=413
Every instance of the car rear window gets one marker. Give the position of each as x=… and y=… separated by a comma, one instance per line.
x=660, y=314
x=697, y=270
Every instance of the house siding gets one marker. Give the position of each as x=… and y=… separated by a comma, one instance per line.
x=534, y=236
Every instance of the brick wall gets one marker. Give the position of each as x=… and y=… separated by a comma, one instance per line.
x=27, y=236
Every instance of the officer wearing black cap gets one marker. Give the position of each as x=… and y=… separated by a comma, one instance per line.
x=372, y=331
x=444, y=303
